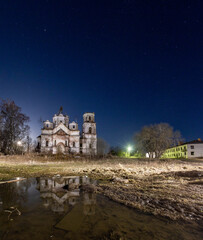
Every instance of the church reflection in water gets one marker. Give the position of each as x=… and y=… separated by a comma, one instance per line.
x=61, y=194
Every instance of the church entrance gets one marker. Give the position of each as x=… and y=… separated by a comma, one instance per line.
x=60, y=148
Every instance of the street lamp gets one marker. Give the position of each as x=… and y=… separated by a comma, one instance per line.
x=19, y=143
x=129, y=149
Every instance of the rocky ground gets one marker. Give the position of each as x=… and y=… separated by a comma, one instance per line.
x=170, y=188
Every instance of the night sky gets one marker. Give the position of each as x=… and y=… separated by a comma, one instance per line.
x=133, y=63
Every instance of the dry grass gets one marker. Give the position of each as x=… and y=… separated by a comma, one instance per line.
x=33, y=165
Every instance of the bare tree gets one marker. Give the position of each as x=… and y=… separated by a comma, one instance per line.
x=102, y=147
x=117, y=151
x=13, y=126
x=28, y=143
x=155, y=139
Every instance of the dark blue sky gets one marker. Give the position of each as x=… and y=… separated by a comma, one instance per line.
x=131, y=62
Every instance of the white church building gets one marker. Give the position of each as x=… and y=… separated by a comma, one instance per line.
x=62, y=136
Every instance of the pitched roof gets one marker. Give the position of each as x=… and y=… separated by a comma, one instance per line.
x=192, y=142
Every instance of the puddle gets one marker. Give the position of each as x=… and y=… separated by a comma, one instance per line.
x=51, y=211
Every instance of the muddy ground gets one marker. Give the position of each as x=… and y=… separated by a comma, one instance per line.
x=169, y=188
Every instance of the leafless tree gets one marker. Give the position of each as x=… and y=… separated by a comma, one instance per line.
x=155, y=139
x=13, y=126
x=102, y=147
x=40, y=121
x=28, y=144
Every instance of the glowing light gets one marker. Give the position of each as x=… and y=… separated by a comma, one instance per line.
x=19, y=143
x=129, y=148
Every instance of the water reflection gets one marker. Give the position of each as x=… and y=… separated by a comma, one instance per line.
x=59, y=193
x=57, y=208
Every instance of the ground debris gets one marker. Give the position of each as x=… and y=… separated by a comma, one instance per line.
x=12, y=210
x=88, y=188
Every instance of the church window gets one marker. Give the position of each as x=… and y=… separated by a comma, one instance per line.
x=47, y=143
x=90, y=130
x=73, y=144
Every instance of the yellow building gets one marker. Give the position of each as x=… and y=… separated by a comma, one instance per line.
x=193, y=149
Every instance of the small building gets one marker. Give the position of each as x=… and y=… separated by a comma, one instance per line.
x=193, y=149
x=62, y=136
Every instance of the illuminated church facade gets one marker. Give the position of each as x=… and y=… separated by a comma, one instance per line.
x=63, y=136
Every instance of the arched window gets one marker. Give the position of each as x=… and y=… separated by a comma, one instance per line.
x=47, y=143
x=73, y=144
x=89, y=118
x=47, y=125
x=90, y=130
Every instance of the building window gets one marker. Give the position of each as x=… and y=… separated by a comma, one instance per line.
x=81, y=145
x=73, y=144
x=55, y=142
x=192, y=153
x=66, y=143
x=90, y=146
x=192, y=147
x=73, y=126
x=89, y=118
x=47, y=143
x=90, y=130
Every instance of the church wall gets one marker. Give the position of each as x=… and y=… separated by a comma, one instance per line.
x=44, y=140
x=74, y=140
x=45, y=131
x=87, y=125
x=86, y=148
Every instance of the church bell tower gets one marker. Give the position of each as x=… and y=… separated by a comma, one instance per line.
x=89, y=136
